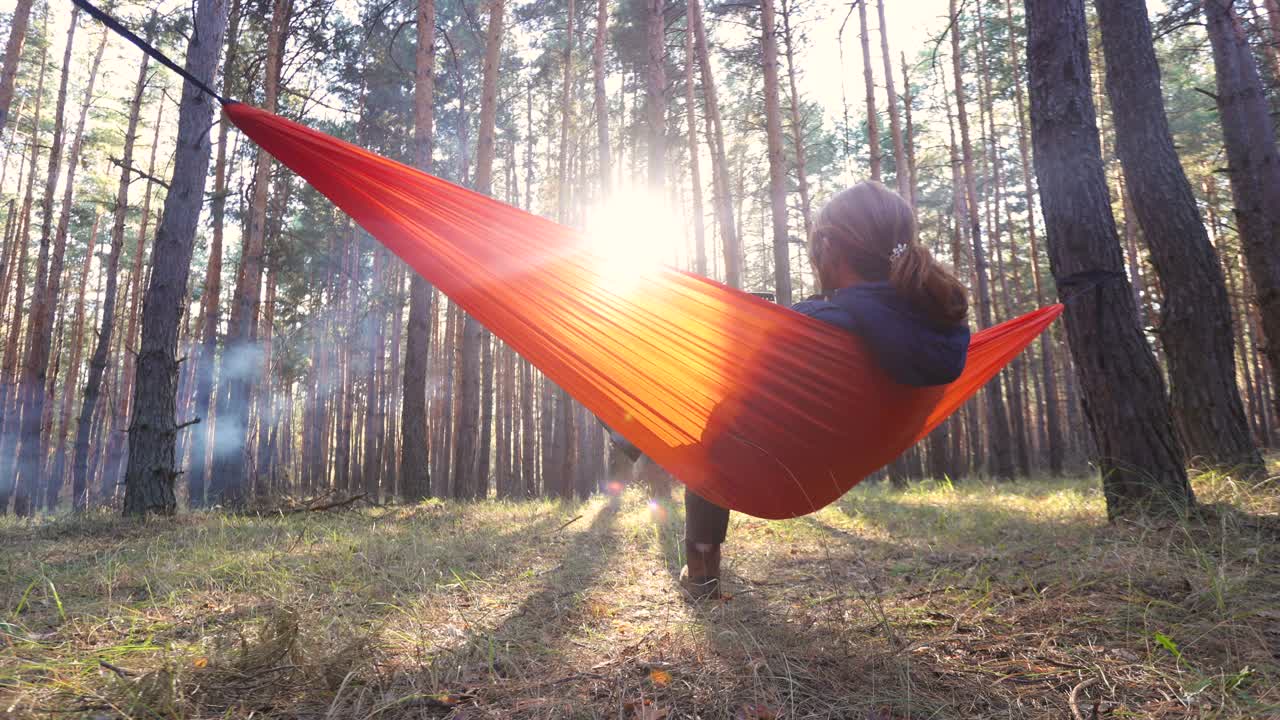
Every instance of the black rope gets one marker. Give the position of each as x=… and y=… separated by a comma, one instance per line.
x=148, y=48
x=1083, y=281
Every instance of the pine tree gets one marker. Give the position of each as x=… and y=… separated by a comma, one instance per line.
x=1195, y=324
x=1139, y=456
x=152, y=469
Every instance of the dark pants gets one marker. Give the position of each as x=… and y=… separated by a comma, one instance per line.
x=704, y=521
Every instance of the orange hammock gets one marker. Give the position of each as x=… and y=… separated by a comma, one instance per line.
x=755, y=407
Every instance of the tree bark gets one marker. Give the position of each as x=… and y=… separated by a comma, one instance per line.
x=602, y=99
x=212, y=295
x=241, y=359
x=415, y=479
x=1253, y=165
x=10, y=389
x=873, y=119
x=13, y=56
x=908, y=141
x=1001, y=460
x=695, y=165
x=1048, y=369
x=722, y=197
x=655, y=92
x=54, y=481
x=902, y=172
x=1195, y=323
x=149, y=480
x=777, y=166
x=1139, y=456
x=31, y=449
x=467, y=463
x=98, y=361
x=72, y=384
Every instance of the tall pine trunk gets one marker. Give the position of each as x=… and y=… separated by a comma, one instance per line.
x=695, y=165
x=54, y=481
x=655, y=105
x=212, y=296
x=72, y=384
x=467, y=447
x=777, y=165
x=1139, y=456
x=722, y=197
x=98, y=361
x=152, y=469
x=602, y=100
x=869, y=82
x=241, y=361
x=415, y=478
x=1195, y=323
x=1253, y=165
x=35, y=369
x=13, y=56
x=901, y=172
x=1048, y=369
x=1001, y=461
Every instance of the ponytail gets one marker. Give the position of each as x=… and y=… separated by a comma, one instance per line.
x=929, y=286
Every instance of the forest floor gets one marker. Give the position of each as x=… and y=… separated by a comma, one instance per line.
x=979, y=601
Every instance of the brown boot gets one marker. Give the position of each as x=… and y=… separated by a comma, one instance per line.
x=700, y=576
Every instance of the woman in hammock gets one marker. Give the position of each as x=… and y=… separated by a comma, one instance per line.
x=881, y=284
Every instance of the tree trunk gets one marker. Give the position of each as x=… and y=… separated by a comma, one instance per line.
x=212, y=295
x=467, y=444
x=909, y=143
x=31, y=449
x=655, y=92
x=1139, y=456
x=72, y=383
x=241, y=359
x=601, y=99
x=1253, y=165
x=1195, y=323
x=415, y=479
x=149, y=480
x=13, y=56
x=723, y=198
x=98, y=361
x=116, y=450
x=54, y=481
x=873, y=119
x=10, y=389
x=1052, y=418
x=901, y=171
x=1001, y=460
x=695, y=166
x=777, y=166
x=49, y=274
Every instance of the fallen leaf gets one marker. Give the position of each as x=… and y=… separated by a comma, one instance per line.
x=660, y=677
x=200, y=662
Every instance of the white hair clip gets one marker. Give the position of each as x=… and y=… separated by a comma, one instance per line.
x=898, y=251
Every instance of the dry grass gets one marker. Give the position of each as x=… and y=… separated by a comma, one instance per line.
x=973, y=602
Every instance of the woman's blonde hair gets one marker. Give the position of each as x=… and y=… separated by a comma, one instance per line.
x=873, y=231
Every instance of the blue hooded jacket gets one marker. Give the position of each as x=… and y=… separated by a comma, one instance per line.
x=907, y=343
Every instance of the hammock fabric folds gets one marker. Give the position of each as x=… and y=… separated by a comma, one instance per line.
x=753, y=406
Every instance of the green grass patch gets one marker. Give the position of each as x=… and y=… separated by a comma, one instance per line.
x=975, y=600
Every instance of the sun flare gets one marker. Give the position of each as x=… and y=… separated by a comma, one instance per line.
x=634, y=233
